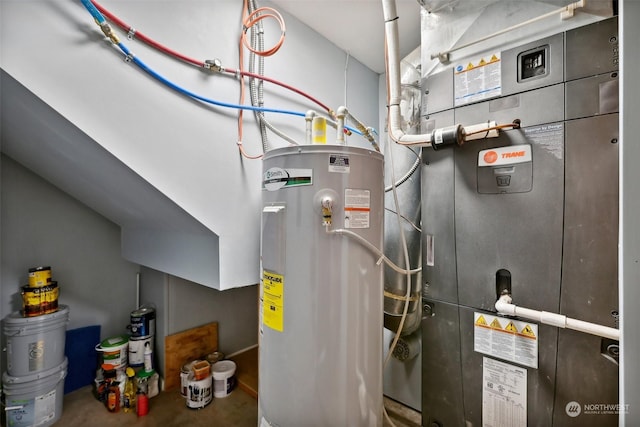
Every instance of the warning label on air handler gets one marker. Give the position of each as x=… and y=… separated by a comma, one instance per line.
x=506, y=339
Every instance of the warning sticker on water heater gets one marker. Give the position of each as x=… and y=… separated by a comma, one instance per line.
x=273, y=300
x=357, y=208
x=506, y=339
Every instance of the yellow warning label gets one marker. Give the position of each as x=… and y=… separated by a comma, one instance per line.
x=481, y=321
x=273, y=300
x=482, y=62
x=528, y=331
x=496, y=324
x=273, y=316
x=470, y=66
x=511, y=328
x=494, y=59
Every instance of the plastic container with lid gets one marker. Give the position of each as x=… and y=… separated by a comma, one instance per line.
x=223, y=380
x=35, y=344
x=115, y=350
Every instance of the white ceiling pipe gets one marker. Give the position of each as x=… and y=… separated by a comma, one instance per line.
x=504, y=306
x=565, y=12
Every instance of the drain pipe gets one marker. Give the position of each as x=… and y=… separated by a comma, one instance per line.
x=455, y=134
x=452, y=135
x=504, y=306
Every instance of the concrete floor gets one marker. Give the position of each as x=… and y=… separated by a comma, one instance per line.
x=168, y=409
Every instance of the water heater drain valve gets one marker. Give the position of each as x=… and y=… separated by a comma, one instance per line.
x=327, y=211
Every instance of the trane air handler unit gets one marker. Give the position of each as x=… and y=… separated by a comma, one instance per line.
x=321, y=294
x=532, y=214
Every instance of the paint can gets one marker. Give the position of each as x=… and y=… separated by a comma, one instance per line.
x=143, y=322
x=35, y=344
x=199, y=392
x=114, y=351
x=39, y=276
x=136, y=350
x=184, y=378
x=40, y=300
x=223, y=380
x=36, y=399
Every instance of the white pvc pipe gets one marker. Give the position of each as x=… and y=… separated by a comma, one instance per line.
x=394, y=94
x=308, y=119
x=393, y=78
x=504, y=306
x=340, y=116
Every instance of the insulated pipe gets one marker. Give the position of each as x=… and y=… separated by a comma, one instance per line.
x=504, y=306
x=341, y=113
x=309, y=120
x=366, y=131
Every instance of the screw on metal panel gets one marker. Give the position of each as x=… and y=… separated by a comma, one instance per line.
x=614, y=141
x=428, y=310
x=616, y=317
x=613, y=39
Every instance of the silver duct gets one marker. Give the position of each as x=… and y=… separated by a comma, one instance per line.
x=407, y=183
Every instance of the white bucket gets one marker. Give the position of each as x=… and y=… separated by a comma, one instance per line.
x=114, y=351
x=198, y=392
x=136, y=350
x=35, y=400
x=36, y=343
x=223, y=380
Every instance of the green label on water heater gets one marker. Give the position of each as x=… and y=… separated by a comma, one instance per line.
x=276, y=178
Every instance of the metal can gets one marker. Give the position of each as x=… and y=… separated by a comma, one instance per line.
x=184, y=378
x=39, y=300
x=143, y=322
x=39, y=276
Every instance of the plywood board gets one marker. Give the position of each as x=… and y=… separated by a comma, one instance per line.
x=247, y=370
x=184, y=347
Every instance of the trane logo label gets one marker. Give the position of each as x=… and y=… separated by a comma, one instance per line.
x=505, y=155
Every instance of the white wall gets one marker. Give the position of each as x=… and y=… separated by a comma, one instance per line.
x=630, y=212
x=182, y=305
x=43, y=226
x=185, y=149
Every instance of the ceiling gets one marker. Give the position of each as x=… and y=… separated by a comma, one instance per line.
x=357, y=26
